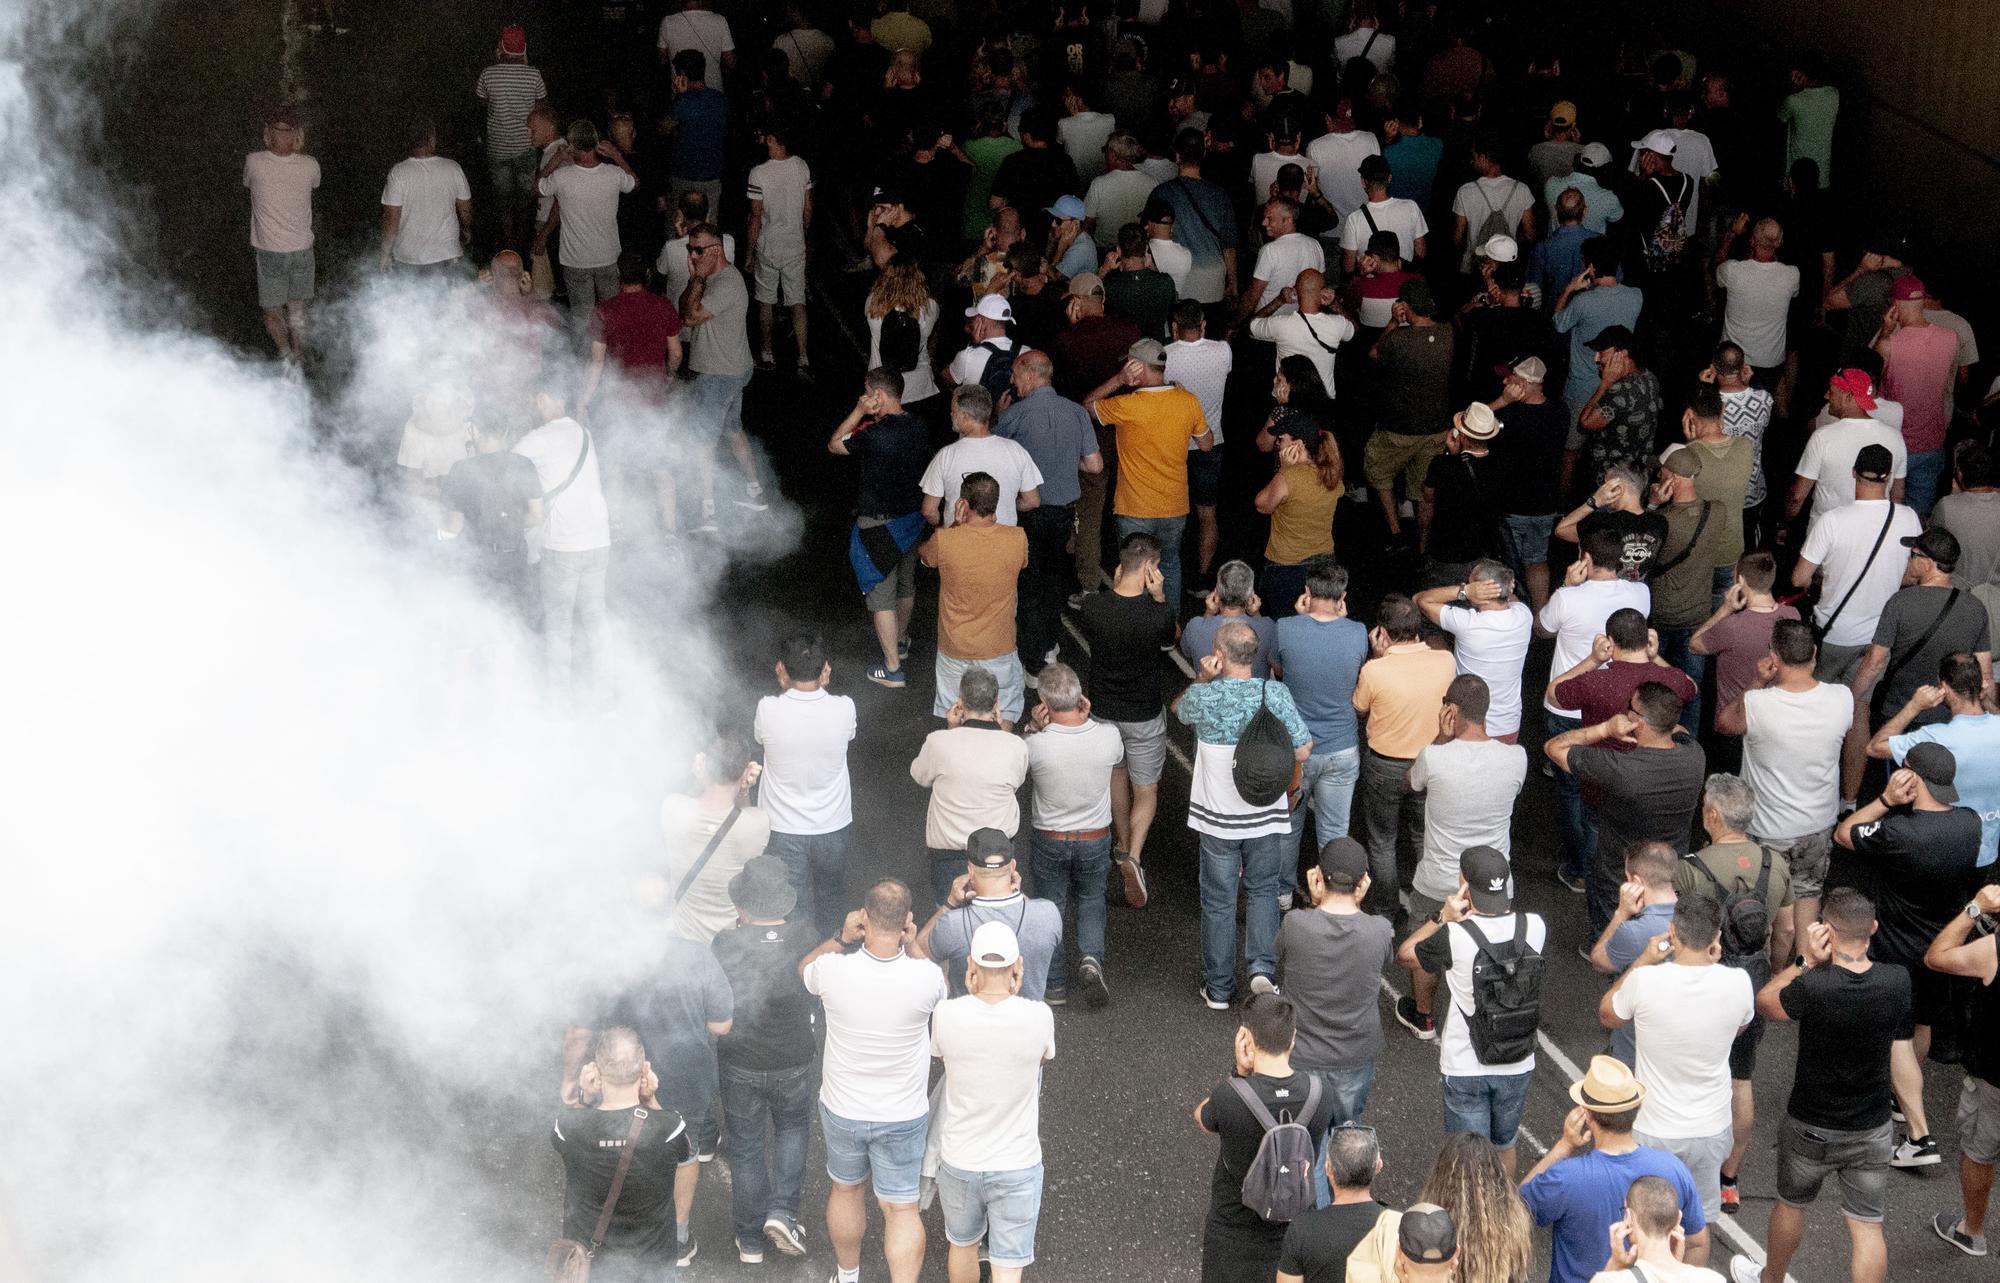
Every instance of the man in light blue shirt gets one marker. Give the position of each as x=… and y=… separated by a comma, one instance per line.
x=1319, y=652
x=1587, y=306
x=1557, y=258
x=1972, y=734
x=1601, y=206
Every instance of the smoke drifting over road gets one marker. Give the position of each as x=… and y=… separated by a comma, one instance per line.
x=303, y=866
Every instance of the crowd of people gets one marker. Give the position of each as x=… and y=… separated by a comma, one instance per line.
x=1566, y=342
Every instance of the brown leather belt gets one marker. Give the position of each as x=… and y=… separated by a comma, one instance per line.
x=1073, y=835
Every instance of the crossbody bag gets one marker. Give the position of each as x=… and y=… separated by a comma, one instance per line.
x=569, y=1261
x=1820, y=631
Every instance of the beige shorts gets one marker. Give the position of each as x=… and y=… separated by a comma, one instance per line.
x=781, y=280
x=1389, y=453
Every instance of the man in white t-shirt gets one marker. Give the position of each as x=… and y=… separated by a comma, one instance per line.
x=587, y=190
x=1491, y=632
x=1574, y=615
x=781, y=213
x=1118, y=195
x=874, y=1111
x=1760, y=293
x=696, y=26
x=1858, y=549
x=978, y=450
x=1491, y=192
x=1793, y=726
x=672, y=265
x=1826, y=470
x=1201, y=365
x=989, y=318
x=1287, y=253
x=1169, y=255
x=1685, y=1015
x=281, y=179
x=993, y=1043
x=1302, y=321
x=1381, y=212
x=1339, y=154
x=1485, y=1099
x=805, y=730
x=1070, y=759
x=426, y=207
x=576, y=534
x=694, y=892
x=1367, y=40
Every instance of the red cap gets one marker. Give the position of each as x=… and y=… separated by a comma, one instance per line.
x=514, y=39
x=1856, y=382
x=1907, y=287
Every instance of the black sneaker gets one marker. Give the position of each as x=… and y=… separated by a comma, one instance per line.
x=1095, y=992
x=685, y=1250
x=785, y=1234
x=1056, y=996
x=1916, y=1152
x=1417, y=1022
x=1210, y=1001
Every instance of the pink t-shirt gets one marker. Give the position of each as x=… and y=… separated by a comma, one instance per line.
x=1918, y=364
x=1738, y=643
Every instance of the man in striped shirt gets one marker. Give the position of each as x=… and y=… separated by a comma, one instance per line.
x=510, y=88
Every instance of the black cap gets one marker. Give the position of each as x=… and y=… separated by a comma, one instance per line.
x=763, y=889
x=1385, y=245
x=1374, y=169
x=1612, y=336
x=1487, y=873
x=1426, y=1235
x=1938, y=769
x=1937, y=543
x=1892, y=241
x=888, y=195
x=988, y=849
x=1343, y=860
x=1180, y=87
x=1874, y=462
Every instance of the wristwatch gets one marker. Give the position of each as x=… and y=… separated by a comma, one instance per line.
x=1461, y=599
x=1972, y=909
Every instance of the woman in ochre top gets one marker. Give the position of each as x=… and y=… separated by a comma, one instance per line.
x=1302, y=495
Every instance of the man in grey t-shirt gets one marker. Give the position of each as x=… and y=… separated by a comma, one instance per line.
x=1330, y=960
x=716, y=306
x=990, y=891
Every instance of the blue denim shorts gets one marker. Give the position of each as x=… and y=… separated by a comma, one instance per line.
x=1488, y=1105
x=1001, y=1208
x=1525, y=540
x=890, y=1156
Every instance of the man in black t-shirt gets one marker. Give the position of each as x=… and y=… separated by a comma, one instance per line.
x=1463, y=483
x=1125, y=628
x=1921, y=853
x=1848, y=1010
x=894, y=449
x=1239, y=1246
x=1317, y=1244
x=1619, y=505
x=1534, y=431
x=765, y=1060
x=490, y=499
x=1957, y=952
x=616, y=1088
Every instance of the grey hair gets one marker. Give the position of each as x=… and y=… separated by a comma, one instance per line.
x=1732, y=799
x=1237, y=641
x=1062, y=689
x=1235, y=583
x=1635, y=481
x=1768, y=231
x=1488, y=571
x=979, y=690
x=1036, y=363
x=974, y=402
x=1126, y=147
x=1351, y=1156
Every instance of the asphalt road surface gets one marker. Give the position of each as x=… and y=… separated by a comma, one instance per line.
x=1127, y=1171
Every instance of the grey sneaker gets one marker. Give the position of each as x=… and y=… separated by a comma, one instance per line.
x=1950, y=1227
x=1095, y=992
x=1263, y=984
x=685, y=1251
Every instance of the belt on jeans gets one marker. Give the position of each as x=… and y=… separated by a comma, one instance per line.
x=1072, y=835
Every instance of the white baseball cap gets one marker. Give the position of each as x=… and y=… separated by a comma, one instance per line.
x=1501, y=248
x=994, y=307
x=1659, y=140
x=994, y=945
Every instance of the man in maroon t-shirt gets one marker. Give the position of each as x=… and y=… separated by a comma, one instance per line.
x=637, y=334
x=1624, y=657
x=1371, y=295
x=1090, y=349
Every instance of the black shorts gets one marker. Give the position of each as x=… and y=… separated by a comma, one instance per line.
x=1930, y=996
x=1743, y=1051
x=1204, y=469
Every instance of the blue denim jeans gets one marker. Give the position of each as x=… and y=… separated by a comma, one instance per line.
x=1058, y=868
x=1486, y=1105
x=1349, y=1089
x=1674, y=649
x=817, y=863
x=1327, y=781
x=1168, y=531
x=1920, y=487
x=1579, y=827
x=759, y=1189
x=1254, y=864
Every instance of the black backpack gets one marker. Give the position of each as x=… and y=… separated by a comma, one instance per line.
x=1278, y=1186
x=998, y=376
x=1506, y=995
x=1265, y=759
x=902, y=342
x=1746, y=915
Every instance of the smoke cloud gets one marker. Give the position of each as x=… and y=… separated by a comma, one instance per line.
x=305, y=867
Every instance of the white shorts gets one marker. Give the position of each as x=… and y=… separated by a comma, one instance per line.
x=781, y=276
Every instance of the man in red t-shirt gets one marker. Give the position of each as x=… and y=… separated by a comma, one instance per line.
x=637, y=334
x=1920, y=372
x=1371, y=296
x=1090, y=349
x=1624, y=658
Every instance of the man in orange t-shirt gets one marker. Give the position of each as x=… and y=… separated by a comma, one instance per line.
x=1400, y=693
x=978, y=561
x=1154, y=420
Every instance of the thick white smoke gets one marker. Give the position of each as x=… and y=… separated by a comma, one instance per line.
x=303, y=867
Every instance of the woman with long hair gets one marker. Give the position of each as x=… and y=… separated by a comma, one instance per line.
x=1304, y=493
x=901, y=288
x=1495, y=1232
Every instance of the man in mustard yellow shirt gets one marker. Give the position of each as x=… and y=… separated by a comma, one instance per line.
x=1154, y=421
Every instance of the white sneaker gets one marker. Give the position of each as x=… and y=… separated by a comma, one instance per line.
x=1744, y=1270
x=753, y=498
x=1262, y=984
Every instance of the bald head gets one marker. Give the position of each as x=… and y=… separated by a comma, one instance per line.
x=1312, y=290
x=1032, y=369
x=507, y=274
